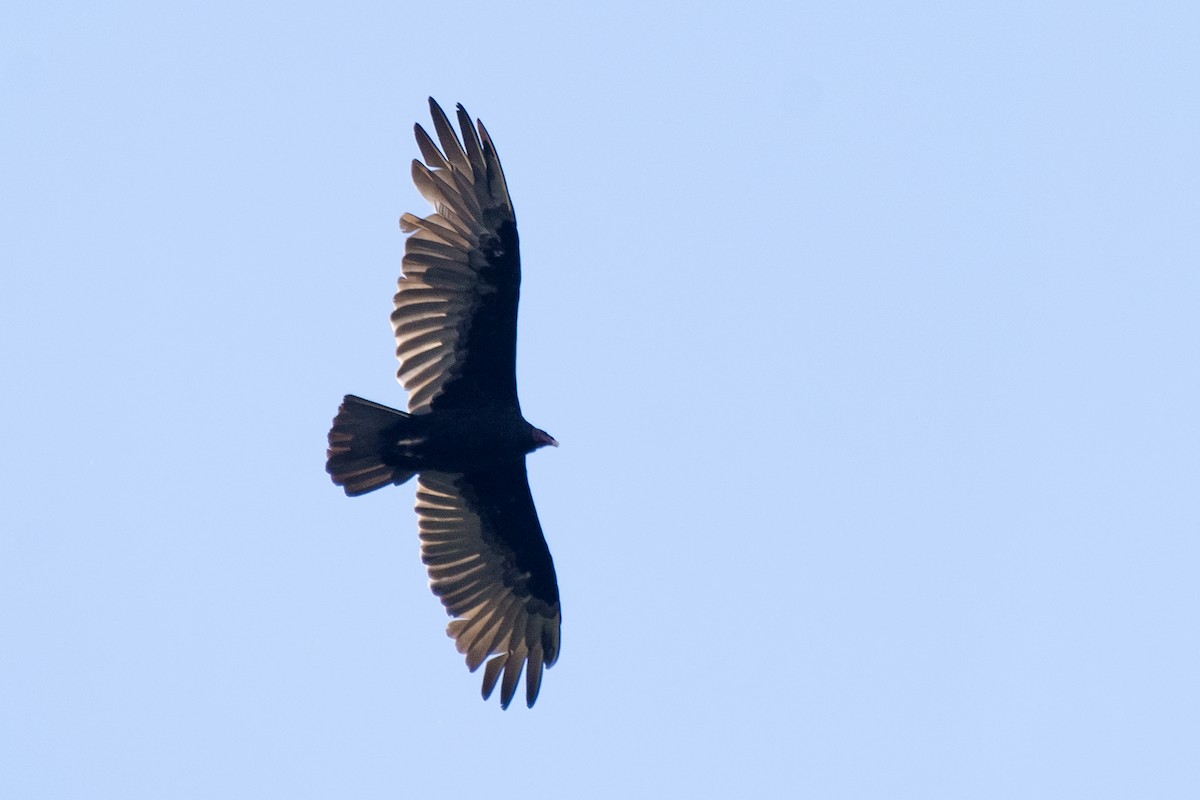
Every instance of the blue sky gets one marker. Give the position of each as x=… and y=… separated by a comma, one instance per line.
x=869, y=333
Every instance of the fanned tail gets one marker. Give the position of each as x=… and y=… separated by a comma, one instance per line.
x=362, y=456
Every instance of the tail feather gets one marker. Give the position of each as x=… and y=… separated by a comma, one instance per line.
x=359, y=447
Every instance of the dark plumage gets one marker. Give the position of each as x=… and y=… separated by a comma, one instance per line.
x=456, y=338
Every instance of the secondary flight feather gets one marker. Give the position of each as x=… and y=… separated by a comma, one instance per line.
x=455, y=322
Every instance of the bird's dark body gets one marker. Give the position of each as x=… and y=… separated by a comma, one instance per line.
x=457, y=440
x=455, y=323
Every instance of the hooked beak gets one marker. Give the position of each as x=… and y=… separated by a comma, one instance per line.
x=542, y=438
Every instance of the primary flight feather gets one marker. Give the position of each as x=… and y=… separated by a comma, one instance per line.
x=455, y=322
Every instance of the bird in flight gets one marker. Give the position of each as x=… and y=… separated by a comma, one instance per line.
x=463, y=436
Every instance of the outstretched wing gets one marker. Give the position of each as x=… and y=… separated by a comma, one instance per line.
x=456, y=308
x=489, y=565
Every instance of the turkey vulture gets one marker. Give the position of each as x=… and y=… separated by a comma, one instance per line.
x=455, y=322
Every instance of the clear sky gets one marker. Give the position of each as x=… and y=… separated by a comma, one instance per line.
x=869, y=330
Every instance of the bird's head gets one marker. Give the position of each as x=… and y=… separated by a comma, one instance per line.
x=541, y=439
